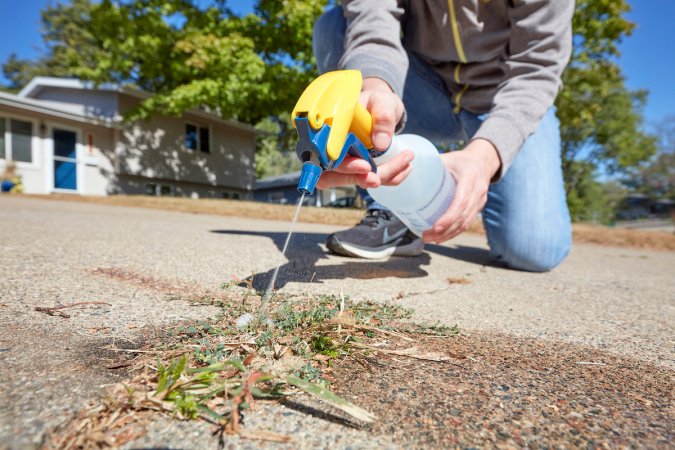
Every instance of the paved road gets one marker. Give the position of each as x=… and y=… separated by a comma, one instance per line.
x=54, y=252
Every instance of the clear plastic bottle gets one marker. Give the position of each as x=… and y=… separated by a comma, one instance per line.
x=426, y=193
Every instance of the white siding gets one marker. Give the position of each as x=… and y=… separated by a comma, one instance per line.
x=86, y=102
x=99, y=171
x=155, y=149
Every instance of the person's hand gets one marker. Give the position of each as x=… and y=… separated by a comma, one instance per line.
x=473, y=168
x=386, y=108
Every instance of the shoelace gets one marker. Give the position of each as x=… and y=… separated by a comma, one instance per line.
x=374, y=217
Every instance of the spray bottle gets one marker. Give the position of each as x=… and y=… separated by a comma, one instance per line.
x=331, y=124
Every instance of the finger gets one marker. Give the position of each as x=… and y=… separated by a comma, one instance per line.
x=391, y=169
x=457, y=207
x=352, y=165
x=385, y=111
x=450, y=223
x=331, y=179
x=398, y=179
x=462, y=224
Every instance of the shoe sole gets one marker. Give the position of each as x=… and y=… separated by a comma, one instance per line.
x=342, y=248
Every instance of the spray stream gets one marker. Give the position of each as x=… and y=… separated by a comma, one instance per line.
x=270, y=286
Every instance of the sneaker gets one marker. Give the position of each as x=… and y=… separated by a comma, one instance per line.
x=379, y=234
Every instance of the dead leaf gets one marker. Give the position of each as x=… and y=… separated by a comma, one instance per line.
x=280, y=350
x=247, y=361
x=345, y=318
x=459, y=280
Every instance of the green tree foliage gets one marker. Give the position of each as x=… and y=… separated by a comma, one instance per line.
x=244, y=68
x=591, y=200
x=601, y=120
x=249, y=67
x=254, y=66
x=69, y=44
x=275, y=154
x=656, y=178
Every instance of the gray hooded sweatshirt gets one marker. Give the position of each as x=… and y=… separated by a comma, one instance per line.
x=501, y=57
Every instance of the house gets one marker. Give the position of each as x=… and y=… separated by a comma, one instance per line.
x=638, y=206
x=283, y=189
x=65, y=135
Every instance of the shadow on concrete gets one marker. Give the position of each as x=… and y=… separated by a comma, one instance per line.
x=305, y=250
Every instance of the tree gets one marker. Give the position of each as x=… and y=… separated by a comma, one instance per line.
x=656, y=178
x=249, y=68
x=601, y=120
x=242, y=68
x=66, y=32
x=254, y=66
x=275, y=154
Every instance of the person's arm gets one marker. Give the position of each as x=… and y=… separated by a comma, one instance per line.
x=373, y=46
x=373, y=41
x=540, y=45
x=539, y=49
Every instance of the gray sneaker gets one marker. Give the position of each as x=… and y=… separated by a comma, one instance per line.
x=379, y=234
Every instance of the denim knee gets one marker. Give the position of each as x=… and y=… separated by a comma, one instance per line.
x=328, y=39
x=532, y=251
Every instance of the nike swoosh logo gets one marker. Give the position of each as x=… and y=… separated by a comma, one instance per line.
x=387, y=237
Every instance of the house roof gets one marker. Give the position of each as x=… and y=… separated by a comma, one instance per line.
x=51, y=109
x=35, y=85
x=33, y=88
x=286, y=180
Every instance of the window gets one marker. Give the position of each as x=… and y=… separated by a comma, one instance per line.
x=2, y=138
x=204, y=140
x=22, y=134
x=197, y=138
x=232, y=195
x=161, y=190
x=16, y=140
x=277, y=197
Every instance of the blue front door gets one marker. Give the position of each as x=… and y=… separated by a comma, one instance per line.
x=65, y=159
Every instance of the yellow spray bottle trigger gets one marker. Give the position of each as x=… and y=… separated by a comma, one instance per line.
x=333, y=98
x=331, y=123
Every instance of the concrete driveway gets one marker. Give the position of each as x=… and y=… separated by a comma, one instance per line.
x=126, y=259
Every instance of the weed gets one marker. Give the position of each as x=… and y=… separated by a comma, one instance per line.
x=437, y=329
x=223, y=369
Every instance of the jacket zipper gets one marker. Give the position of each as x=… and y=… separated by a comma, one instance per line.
x=460, y=52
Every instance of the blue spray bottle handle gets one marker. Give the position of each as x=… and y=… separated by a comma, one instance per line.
x=311, y=149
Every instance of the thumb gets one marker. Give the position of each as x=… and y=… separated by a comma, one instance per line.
x=383, y=106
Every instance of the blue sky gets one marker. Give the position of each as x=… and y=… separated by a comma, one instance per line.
x=648, y=56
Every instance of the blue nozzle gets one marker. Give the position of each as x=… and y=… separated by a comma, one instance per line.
x=309, y=176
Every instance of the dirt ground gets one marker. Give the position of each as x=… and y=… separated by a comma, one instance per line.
x=579, y=357
x=507, y=392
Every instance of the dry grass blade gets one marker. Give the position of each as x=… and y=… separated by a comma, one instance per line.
x=263, y=435
x=56, y=310
x=327, y=396
x=380, y=330
x=412, y=352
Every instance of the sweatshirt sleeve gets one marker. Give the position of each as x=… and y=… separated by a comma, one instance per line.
x=539, y=49
x=373, y=41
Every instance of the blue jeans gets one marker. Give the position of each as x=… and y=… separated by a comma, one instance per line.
x=526, y=217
